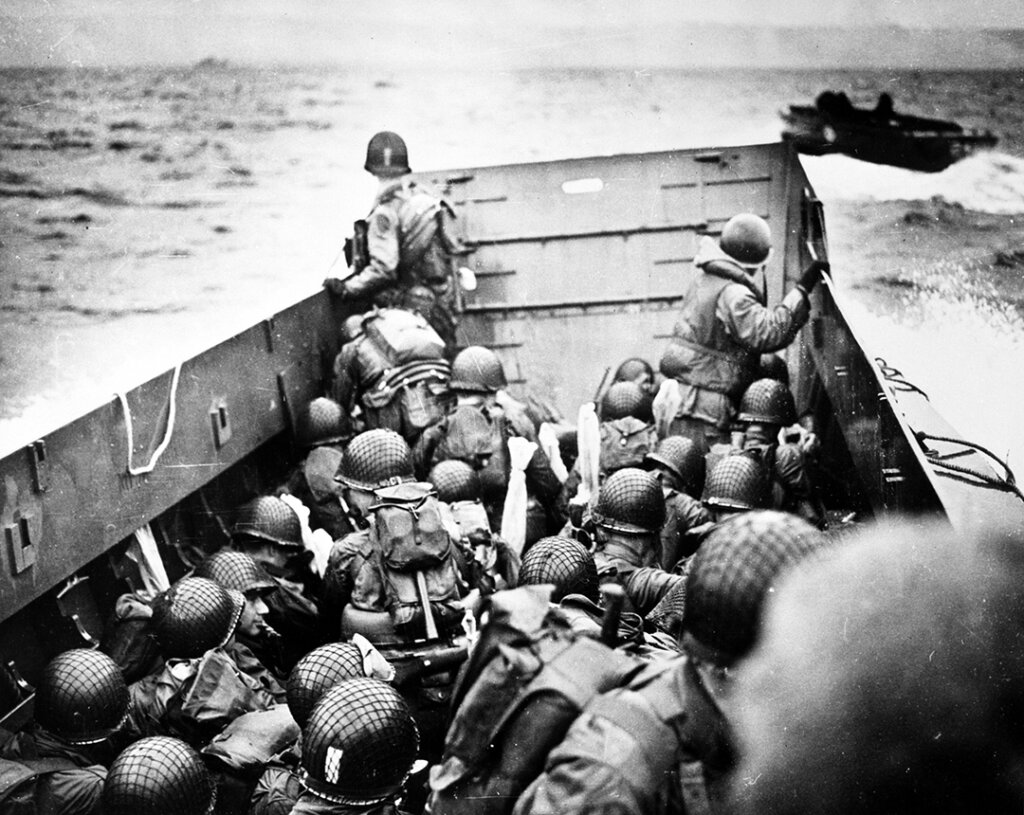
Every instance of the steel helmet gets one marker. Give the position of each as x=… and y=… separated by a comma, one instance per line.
x=271, y=519
x=195, y=615
x=235, y=570
x=772, y=366
x=682, y=457
x=565, y=562
x=321, y=669
x=747, y=239
x=632, y=369
x=477, y=370
x=322, y=422
x=732, y=572
x=386, y=155
x=630, y=501
x=158, y=774
x=736, y=482
x=375, y=459
x=622, y=399
x=455, y=480
x=359, y=743
x=82, y=696
x=768, y=401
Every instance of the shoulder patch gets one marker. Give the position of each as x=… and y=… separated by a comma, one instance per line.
x=382, y=221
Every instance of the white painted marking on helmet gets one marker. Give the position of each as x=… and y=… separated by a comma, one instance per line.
x=332, y=767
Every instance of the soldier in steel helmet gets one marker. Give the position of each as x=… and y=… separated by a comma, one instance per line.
x=886, y=677
x=270, y=532
x=159, y=774
x=323, y=428
x=280, y=784
x=208, y=679
x=724, y=327
x=640, y=373
x=358, y=750
x=627, y=519
x=477, y=432
x=679, y=466
x=490, y=563
x=59, y=764
x=409, y=242
x=664, y=743
x=765, y=409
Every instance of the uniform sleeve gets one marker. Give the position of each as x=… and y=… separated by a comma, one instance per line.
x=756, y=327
x=791, y=471
x=645, y=587
x=71, y=791
x=382, y=242
x=339, y=579
x=585, y=774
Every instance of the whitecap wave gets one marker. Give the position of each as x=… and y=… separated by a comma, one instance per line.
x=988, y=181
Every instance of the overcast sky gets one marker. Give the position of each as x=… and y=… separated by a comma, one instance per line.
x=487, y=32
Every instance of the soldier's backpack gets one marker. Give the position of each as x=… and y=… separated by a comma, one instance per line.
x=420, y=575
x=527, y=679
x=625, y=442
x=413, y=393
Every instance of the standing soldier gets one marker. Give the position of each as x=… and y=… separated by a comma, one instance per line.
x=407, y=241
x=724, y=327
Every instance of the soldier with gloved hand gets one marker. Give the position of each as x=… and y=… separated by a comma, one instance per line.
x=724, y=327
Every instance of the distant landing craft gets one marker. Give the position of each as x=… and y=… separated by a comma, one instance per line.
x=880, y=135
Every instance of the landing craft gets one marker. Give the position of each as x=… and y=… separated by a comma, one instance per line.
x=579, y=264
x=880, y=135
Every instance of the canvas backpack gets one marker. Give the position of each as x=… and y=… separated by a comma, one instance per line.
x=625, y=442
x=527, y=680
x=419, y=572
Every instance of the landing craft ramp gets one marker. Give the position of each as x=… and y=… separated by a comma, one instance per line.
x=581, y=264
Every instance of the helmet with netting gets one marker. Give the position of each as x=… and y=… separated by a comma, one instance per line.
x=271, y=519
x=235, y=570
x=622, y=399
x=387, y=155
x=319, y=670
x=767, y=401
x=630, y=501
x=193, y=616
x=736, y=566
x=359, y=743
x=683, y=458
x=82, y=696
x=747, y=239
x=375, y=459
x=322, y=422
x=158, y=774
x=670, y=612
x=736, y=482
x=455, y=480
x=477, y=370
x=564, y=562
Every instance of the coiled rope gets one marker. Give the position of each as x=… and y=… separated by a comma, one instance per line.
x=168, y=433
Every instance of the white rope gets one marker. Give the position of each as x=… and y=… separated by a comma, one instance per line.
x=167, y=434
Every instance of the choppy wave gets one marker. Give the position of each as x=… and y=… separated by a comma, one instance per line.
x=988, y=181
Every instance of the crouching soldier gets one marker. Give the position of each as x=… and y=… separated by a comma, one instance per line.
x=628, y=517
x=664, y=743
x=358, y=749
x=766, y=408
x=159, y=774
x=270, y=532
x=208, y=679
x=679, y=465
x=397, y=582
x=81, y=704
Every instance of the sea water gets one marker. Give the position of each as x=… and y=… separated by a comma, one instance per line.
x=148, y=213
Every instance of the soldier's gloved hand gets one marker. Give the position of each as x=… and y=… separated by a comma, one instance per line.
x=812, y=274
x=336, y=286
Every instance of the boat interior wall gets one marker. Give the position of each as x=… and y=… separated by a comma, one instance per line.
x=586, y=259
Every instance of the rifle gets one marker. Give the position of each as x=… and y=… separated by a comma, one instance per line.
x=413, y=666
